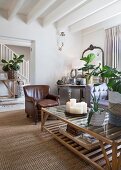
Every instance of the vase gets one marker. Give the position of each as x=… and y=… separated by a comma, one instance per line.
x=89, y=81
x=97, y=118
x=12, y=74
x=114, y=108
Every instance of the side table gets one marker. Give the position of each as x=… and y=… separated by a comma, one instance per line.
x=10, y=85
x=69, y=88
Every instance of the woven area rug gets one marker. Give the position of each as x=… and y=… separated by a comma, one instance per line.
x=24, y=147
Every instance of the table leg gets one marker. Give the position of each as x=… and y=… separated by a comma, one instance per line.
x=44, y=116
x=14, y=88
x=69, y=93
x=8, y=88
x=81, y=94
x=58, y=91
x=119, y=161
x=114, y=156
x=105, y=156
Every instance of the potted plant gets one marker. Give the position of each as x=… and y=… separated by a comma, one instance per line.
x=113, y=77
x=96, y=115
x=12, y=66
x=89, y=69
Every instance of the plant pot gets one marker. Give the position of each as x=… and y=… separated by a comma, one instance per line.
x=97, y=118
x=114, y=108
x=12, y=74
x=89, y=81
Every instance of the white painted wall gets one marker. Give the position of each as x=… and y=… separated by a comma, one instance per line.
x=97, y=38
x=96, y=34
x=21, y=50
x=47, y=63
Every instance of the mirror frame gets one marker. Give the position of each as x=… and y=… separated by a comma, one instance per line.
x=91, y=47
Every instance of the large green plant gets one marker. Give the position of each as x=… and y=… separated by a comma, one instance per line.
x=89, y=68
x=113, y=77
x=12, y=64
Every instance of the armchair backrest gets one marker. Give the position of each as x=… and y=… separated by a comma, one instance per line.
x=37, y=92
x=100, y=91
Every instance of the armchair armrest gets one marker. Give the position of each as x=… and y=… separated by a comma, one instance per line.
x=31, y=99
x=53, y=97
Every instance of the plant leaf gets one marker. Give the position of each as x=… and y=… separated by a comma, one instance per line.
x=15, y=56
x=21, y=57
x=89, y=117
x=90, y=57
x=4, y=61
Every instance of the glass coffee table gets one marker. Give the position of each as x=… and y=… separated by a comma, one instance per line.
x=99, y=146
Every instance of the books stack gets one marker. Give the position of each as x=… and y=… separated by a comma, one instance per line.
x=73, y=130
x=83, y=139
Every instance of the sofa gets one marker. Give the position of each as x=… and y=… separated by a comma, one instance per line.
x=100, y=91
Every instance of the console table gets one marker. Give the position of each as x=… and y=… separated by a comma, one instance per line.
x=105, y=155
x=70, y=87
x=10, y=85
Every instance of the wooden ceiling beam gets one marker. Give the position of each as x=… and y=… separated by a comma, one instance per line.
x=62, y=10
x=81, y=13
x=15, y=8
x=98, y=17
x=39, y=9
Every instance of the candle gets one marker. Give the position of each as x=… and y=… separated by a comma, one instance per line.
x=72, y=109
x=78, y=104
x=79, y=110
x=68, y=105
x=76, y=109
x=79, y=107
x=84, y=105
x=73, y=102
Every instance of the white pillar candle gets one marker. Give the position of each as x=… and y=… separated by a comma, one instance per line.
x=80, y=107
x=79, y=110
x=73, y=102
x=68, y=105
x=72, y=109
x=84, y=107
x=76, y=109
x=78, y=104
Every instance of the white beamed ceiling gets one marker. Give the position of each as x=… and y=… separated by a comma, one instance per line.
x=74, y=15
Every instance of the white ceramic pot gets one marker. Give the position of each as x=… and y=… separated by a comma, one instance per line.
x=97, y=118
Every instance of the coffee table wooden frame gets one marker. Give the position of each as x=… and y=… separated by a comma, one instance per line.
x=105, y=156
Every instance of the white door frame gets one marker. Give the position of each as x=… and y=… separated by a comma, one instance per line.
x=25, y=43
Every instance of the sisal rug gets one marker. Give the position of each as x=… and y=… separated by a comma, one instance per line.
x=24, y=147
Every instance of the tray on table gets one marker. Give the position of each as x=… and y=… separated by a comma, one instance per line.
x=85, y=140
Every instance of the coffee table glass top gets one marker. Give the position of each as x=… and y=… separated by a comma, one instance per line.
x=108, y=132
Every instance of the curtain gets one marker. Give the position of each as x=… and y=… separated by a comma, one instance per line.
x=113, y=47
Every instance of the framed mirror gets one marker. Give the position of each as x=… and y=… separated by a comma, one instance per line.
x=99, y=53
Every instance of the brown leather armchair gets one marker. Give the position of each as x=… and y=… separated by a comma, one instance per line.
x=36, y=97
